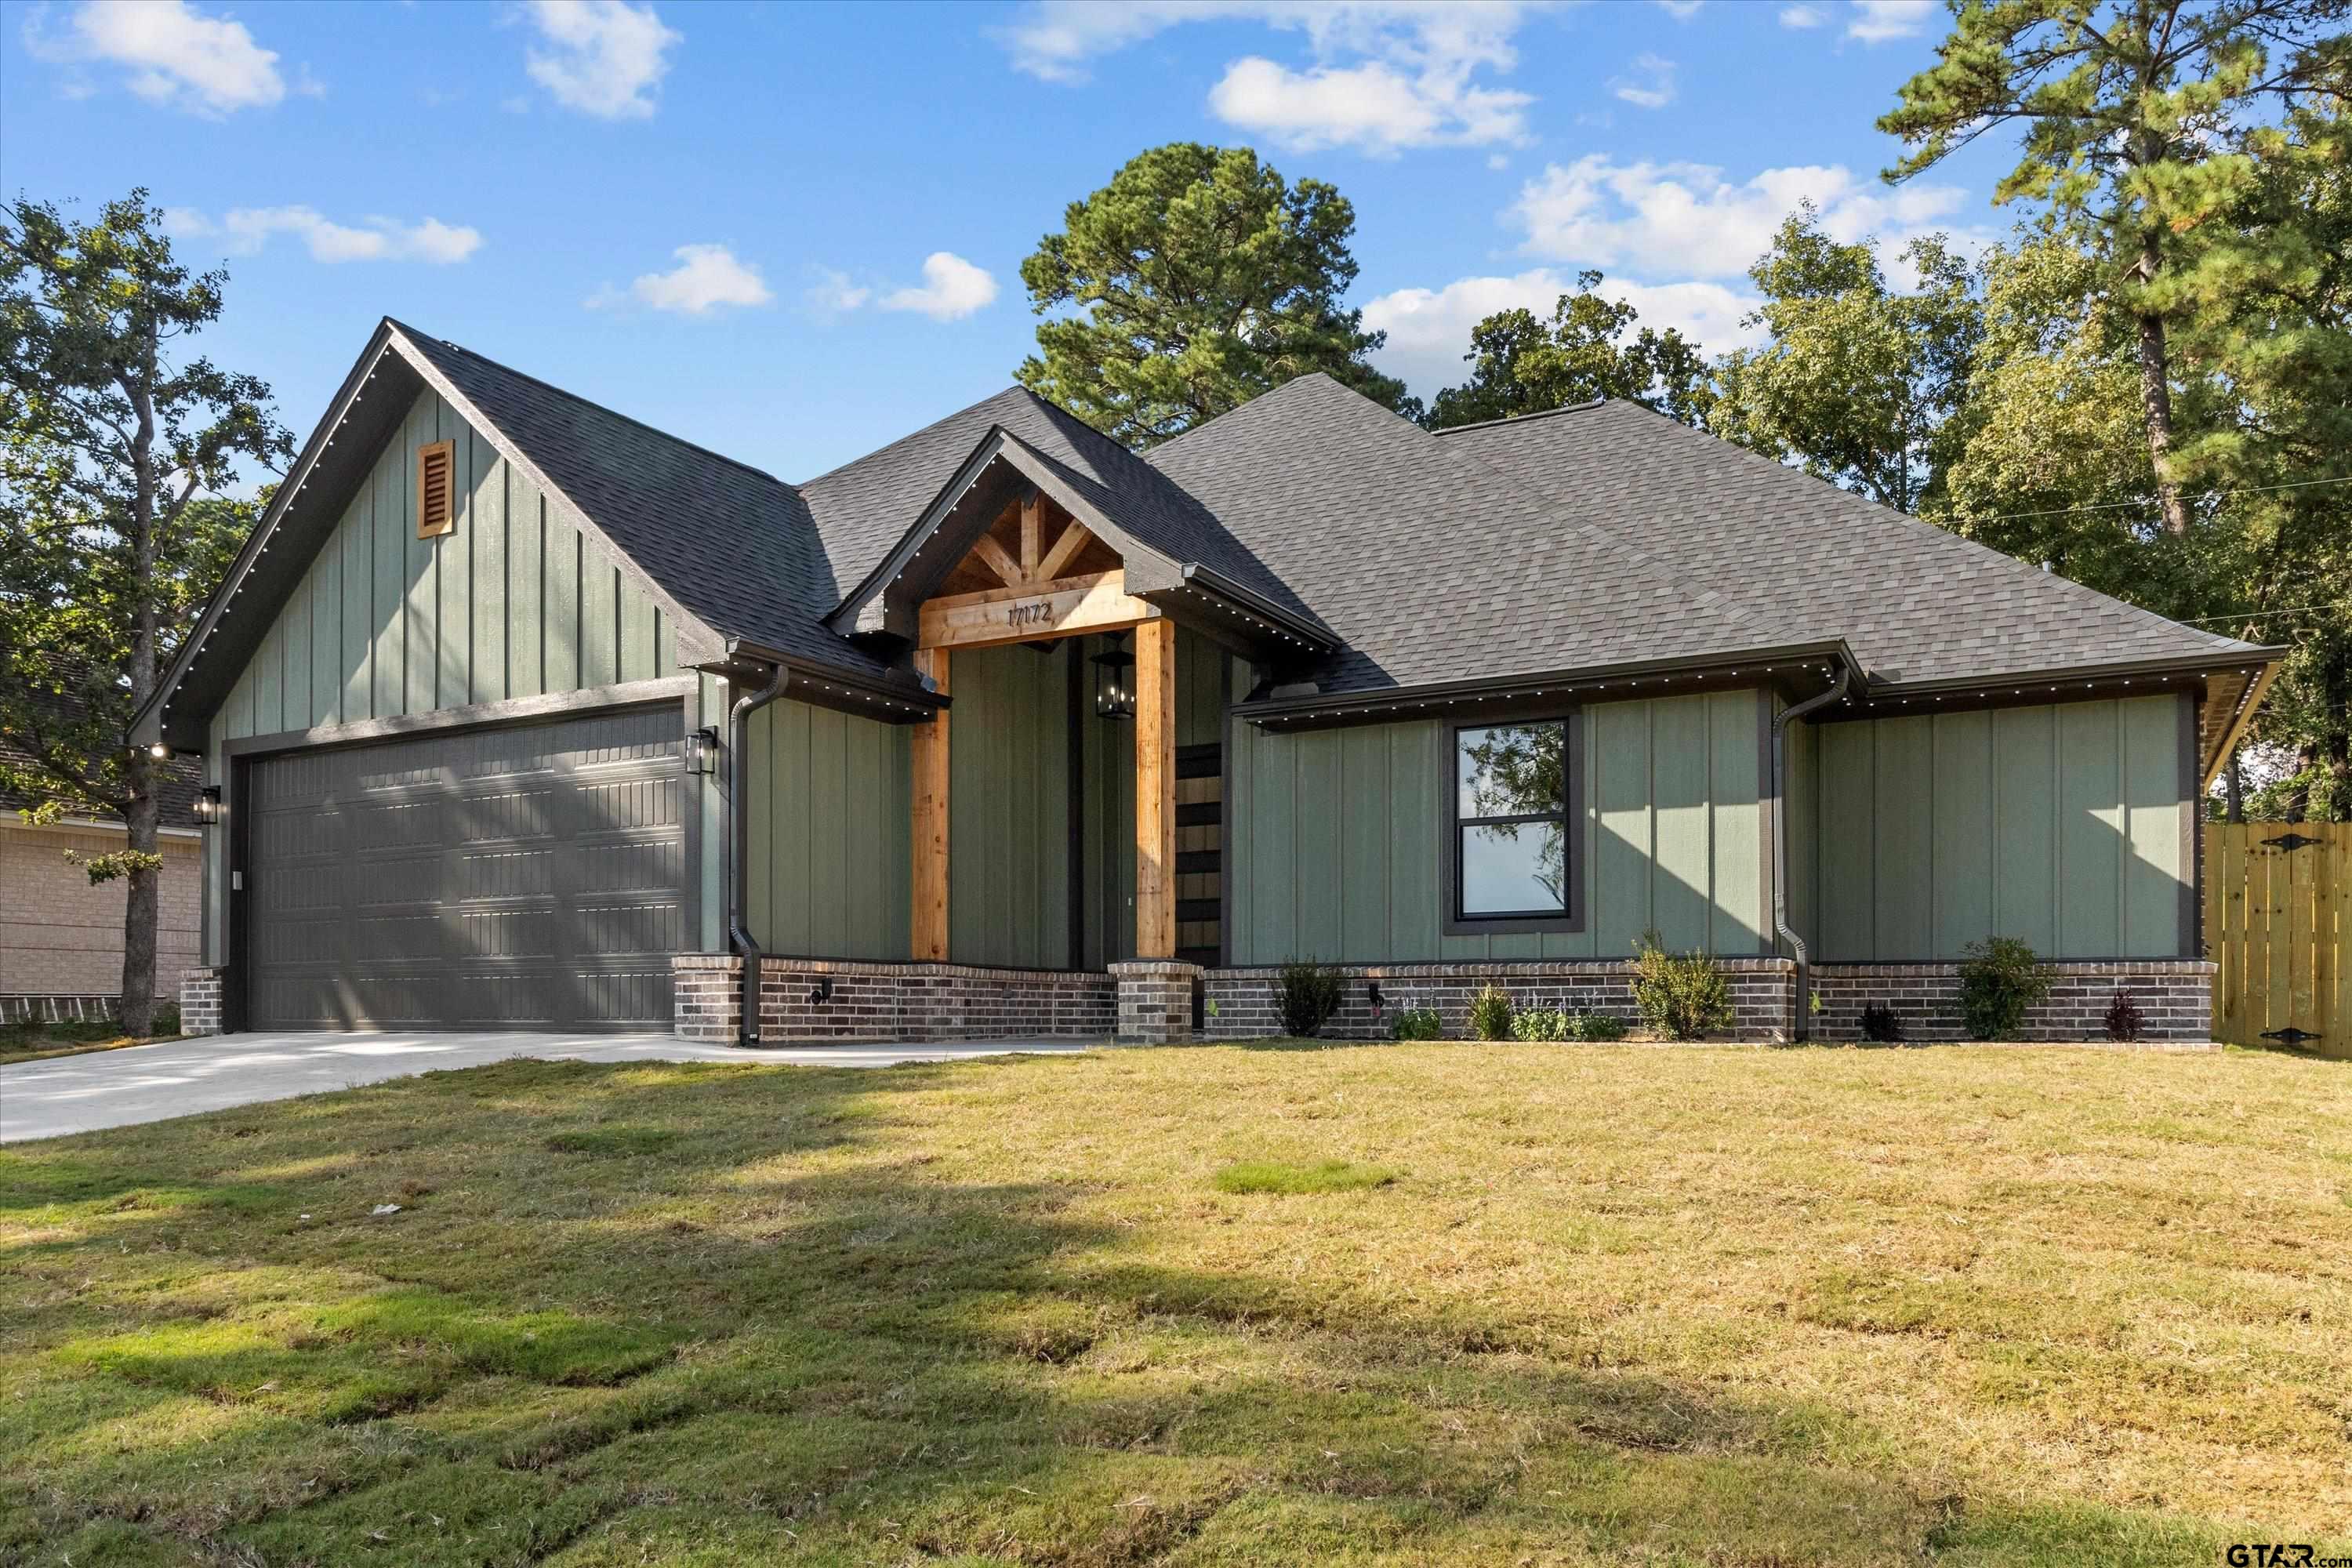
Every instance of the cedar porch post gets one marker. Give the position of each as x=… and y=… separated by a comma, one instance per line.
x=1155, y=789
x=930, y=926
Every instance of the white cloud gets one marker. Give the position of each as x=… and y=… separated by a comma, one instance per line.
x=1652, y=89
x=833, y=293
x=1688, y=219
x=245, y=230
x=1802, y=16
x=1429, y=329
x=1386, y=74
x=953, y=289
x=706, y=277
x=607, y=58
x=175, y=55
x=1681, y=10
x=1876, y=21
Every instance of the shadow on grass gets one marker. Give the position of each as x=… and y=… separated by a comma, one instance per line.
x=776, y=1330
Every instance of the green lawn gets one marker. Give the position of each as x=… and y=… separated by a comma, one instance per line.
x=1406, y=1304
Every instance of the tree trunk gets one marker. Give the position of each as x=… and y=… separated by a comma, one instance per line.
x=140, y=907
x=2233, y=790
x=2156, y=400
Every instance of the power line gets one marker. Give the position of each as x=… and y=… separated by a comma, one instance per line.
x=2117, y=505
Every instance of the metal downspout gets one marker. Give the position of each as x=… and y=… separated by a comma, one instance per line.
x=1801, y=1028
x=739, y=850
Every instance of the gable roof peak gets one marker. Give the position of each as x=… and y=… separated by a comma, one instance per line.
x=1585, y=407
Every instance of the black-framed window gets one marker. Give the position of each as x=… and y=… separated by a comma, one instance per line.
x=1513, y=844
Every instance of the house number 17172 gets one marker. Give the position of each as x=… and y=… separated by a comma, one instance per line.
x=1032, y=615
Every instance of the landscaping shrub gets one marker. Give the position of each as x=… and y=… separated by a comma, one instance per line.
x=1680, y=995
x=1309, y=993
x=1540, y=1025
x=1882, y=1024
x=1490, y=1014
x=1596, y=1026
x=2125, y=1020
x=1418, y=1023
x=2001, y=978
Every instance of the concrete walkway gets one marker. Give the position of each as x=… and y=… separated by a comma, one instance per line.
x=149, y=1083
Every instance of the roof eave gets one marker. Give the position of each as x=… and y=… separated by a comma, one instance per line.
x=1761, y=666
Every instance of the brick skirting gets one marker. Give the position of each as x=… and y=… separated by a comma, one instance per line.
x=2175, y=996
x=1244, y=1003
x=200, y=1001
x=899, y=1002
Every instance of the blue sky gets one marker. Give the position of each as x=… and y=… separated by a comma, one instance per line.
x=794, y=233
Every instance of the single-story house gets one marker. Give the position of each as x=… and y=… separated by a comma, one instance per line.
x=523, y=714
x=60, y=934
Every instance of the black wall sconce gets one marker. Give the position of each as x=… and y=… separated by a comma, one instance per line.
x=1378, y=1001
x=1114, y=686
x=208, y=803
x=822, y=994
x=702, y=750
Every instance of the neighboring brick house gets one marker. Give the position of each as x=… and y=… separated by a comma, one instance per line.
x=61, y=935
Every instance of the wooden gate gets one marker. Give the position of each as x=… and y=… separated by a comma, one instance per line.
x=2278, y=922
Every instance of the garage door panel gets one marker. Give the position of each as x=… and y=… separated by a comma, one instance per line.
x=530, y=876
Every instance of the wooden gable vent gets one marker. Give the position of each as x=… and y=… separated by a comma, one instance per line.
x=437, y=504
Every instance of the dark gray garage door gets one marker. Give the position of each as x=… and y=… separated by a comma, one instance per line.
x=515, y=879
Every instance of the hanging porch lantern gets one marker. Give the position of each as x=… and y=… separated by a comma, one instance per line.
x=1114, y=686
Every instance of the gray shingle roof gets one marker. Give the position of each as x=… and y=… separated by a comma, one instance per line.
x=1915, y=602
x=1431, y=565
x=735, y=547
x=862, y=509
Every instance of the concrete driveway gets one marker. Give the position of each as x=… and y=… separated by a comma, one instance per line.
x=149, y=1083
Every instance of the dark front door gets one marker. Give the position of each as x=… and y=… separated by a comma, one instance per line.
x=524, y=878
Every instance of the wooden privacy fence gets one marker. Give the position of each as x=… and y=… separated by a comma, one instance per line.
x=2278, y=922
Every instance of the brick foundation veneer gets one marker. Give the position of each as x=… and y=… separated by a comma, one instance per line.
x=1244, y=1003
x=899, y=1003
x=200, y=1001
x=2175, y=996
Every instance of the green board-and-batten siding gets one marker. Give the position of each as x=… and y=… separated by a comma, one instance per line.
x=828, y=849
x=513, y=602
x=1336, y=838
x=2067, y=827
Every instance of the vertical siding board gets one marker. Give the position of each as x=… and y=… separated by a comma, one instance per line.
x=358, y=532
x=829, y=862
x=898, y=897
x=1364, y=844
x=2090, y=831
x=453, y=560
x=1803, y=808
x=1738, y=919
x=639, y=659
x=2149, y=728
x=1903, y=827
x=1272, y=896
x=1678, y=782
x=1620, y=736
x=487, y=480
x=1315, y=829
x=296, y=654
x=561, y=606
x=1848, y=799
x=527, y=589
x=760, y=813
x=327, y=632
x=1416, y=781
x=792, y=766
x=422, y=564
x=389, y=616
x=1240, y=863
x=861, y=893
x=268, y=673
x=2025, y=842
x=600, y=617
x=1964, y=836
